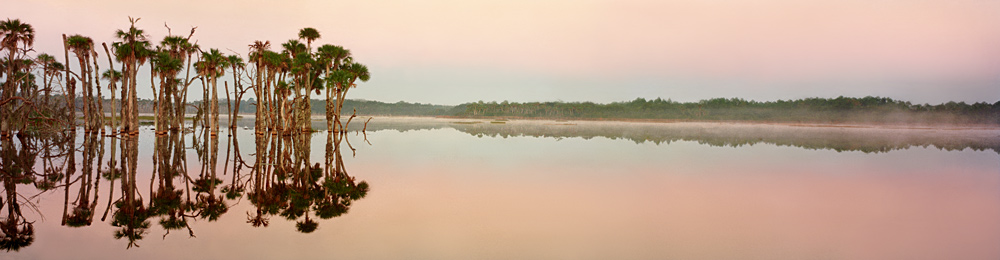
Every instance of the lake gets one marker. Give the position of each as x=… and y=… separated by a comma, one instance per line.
x=423, y=188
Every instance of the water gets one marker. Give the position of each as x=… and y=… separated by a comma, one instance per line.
x=461, y=189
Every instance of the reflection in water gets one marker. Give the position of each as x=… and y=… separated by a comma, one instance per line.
x=131, y=215
x=16, y=168
x=280, y=182
x=287, y=186
x=868, y=139
x=84, y=205
x=276, y=182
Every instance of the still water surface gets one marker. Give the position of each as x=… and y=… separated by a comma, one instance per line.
x=474, y=189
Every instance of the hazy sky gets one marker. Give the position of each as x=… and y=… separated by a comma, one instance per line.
x=450, y=52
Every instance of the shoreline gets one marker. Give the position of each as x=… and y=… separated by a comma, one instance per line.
x=573, y=121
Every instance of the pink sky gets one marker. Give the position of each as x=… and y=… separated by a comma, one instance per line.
x=450, y=52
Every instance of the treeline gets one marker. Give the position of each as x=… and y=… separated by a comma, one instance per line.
x=821, y=110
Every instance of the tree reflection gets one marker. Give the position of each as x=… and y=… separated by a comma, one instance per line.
x=17, y=161
x=85, y=205
x=209, y=205
x=131, y=216
x=279, y=180
x=286, y=185
x=167, y=199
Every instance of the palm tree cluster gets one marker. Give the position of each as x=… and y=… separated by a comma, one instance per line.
x=282, y=81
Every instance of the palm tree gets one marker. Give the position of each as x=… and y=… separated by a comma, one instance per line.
x=343, y=80
x=132, y=51
x=293, y=52
x=331, y=57
x=50, y=69
x=14, y=32
x=274, y=65
x=83, y=47
x=237, y=65
x=213, y=67
x=309, y=34
x=293, y=48
x=302, y=70
x=257, y=50
x=171, y=54
x=113, y=77
x=185, y=51
x=166, y=67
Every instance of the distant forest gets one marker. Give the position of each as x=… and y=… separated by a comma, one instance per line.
x=818, y=110
x=815, y=110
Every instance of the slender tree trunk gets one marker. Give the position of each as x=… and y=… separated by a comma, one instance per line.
x=161, y=107
x=304, y=115
x=122, y=105
x=180, y=98
x=88, y=89
x=133, y=103
x=258, y=92
x=100, y=98
x=125, y=107
x=70, y=90
x=215, y=105
x=157, y=98
x=229, y=107
x=329, y=110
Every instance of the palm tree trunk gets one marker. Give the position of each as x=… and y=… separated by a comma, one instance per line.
x=328, y=111
x=70, y=91
x=215, y=105
x=161, y=109
x=100, y=98
x=122, y=105
x=86, y=93
x=89, y=87
x=133, y=104
x=229, y=105
x=258, y=92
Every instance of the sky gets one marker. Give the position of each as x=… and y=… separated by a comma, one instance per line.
x=456, y=51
